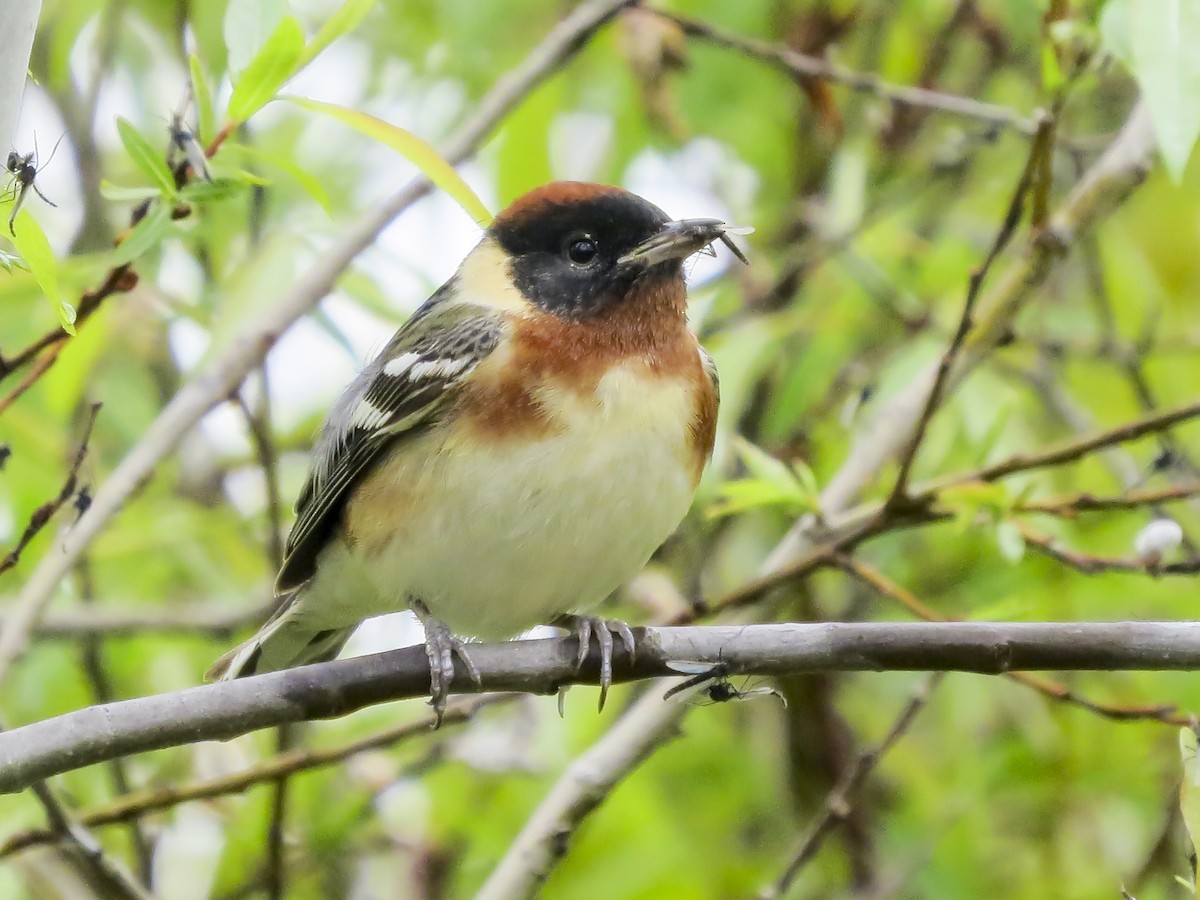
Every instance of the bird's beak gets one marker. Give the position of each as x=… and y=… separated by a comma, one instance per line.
x=681, y=238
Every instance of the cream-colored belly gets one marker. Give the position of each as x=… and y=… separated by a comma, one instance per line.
x=495, y=540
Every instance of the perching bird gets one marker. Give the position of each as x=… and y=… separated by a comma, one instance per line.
x=520, y=448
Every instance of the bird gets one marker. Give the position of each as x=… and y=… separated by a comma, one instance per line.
x=519, y=449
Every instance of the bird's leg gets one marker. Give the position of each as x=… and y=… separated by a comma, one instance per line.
x=441, y=647
x=604, y=629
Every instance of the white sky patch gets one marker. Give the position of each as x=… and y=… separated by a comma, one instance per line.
x=580, y=142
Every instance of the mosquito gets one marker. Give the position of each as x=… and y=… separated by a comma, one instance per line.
x=24, y=170
x=712, y=681
x=184, y=140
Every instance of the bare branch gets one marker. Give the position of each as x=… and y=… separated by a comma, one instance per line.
x=1042, y=147
x=102, y=872
x=208, y=619
x=1052, y=689
x=131, y=807
x=326, y=690
x=839, y=802
x=44, y=513
x=866, y=82
x=585, y=784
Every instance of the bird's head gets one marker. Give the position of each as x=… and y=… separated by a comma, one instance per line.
x=580, y=250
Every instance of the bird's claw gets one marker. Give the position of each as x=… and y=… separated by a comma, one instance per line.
x=604, y=629
x=441, y=647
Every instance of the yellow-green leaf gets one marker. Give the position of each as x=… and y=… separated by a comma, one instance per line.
x=206, y=119
x=144, y=236
x=35, y=250
x=308, y=181
x=342, y=22
x=1189, y=788
x=418, y=151
x=274, y=64
x=148, y=159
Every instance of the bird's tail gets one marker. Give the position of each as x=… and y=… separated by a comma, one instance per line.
x=283, y=642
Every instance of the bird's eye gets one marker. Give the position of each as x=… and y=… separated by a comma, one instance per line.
x=582, y=249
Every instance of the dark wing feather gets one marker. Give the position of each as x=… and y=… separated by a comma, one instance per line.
x=398, y=394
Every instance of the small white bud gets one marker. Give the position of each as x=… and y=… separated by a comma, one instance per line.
x=1157, y=539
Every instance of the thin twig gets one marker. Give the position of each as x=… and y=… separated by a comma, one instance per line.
x=587, y=782
x=92, y=660
x=104, y=874
x=1070, y=507
x=258, y=422
x=204, y=619
x=1068, y=451
x=1095, y=565
x=814, y=67
x=132, y=807
x=44, y=513
x=1054, y=690
x=1040, y=147
x=86, y=849
x=839, y=803
x=40, y=368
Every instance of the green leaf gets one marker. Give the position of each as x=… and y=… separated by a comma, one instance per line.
x=8, y=262
x=217, y=189
x=1114, y=31
x=770, y=483
x=1164, y=35
x=274, y=64
x=1011, y=542
x=119, y=193
x=969, y=499
x=35, y=249
x=248, y=26
x=1189, y=789
x=145, y=235
x=311, y=184
x=419, y=152
x=148, y=159
x=206, y=117
x=342, y=22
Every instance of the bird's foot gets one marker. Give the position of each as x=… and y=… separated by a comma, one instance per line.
x=441, y=647
x=604, y=629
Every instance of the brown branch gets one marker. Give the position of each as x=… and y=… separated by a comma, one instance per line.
x=1070, y=507
x=206, y=619
x=544, y=840
x=839, y=803
x=813, y=67
x=1077, y=448
x=132, y=807
x=1052, y=689
x=44, y=513
x=1042, y=146
x=106, y=876
x=1095, y=565
x=91, y=652
x=40, y=368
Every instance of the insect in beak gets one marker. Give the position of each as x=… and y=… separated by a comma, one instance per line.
x=682, y=238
